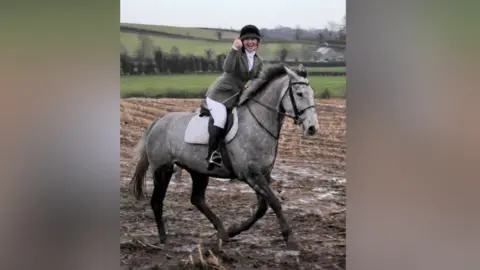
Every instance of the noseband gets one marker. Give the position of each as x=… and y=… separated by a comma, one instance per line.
x=297, y=113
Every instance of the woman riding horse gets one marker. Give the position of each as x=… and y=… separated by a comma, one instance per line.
x=241, y=65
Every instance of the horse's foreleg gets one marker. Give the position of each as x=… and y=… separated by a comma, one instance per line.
x=199, y=185
x=260, y=184
x=262, y=207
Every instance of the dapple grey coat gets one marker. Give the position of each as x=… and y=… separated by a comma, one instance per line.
x=234, y=78
x=252, y=152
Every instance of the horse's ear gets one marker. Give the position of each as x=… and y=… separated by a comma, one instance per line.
x=302, y=71
x=290, y=72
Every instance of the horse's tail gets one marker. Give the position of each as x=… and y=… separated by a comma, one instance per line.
x=137, y=183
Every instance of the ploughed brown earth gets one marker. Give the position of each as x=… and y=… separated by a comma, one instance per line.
x=309, y=178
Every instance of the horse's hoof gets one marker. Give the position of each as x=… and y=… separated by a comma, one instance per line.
x=233, y=230
x=162, y=240
x=293, y=245
x=223, y=236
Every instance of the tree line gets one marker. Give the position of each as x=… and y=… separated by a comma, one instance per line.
x=158, y=62
x=300, y=36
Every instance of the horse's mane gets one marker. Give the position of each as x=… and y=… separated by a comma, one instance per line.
x=267, y=75
x=273, y=72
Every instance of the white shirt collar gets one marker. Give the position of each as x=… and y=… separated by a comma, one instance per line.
x=250, y=54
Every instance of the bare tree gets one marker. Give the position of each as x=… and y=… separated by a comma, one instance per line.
x=343, y=25
x=321, y=37
x=175, y=51
x=298, y=33
x=145, y=49
x=332, y=26
x=307, y=52
x=209, y=53
x=283, y=54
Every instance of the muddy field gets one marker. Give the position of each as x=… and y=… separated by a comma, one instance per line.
x=309, y=178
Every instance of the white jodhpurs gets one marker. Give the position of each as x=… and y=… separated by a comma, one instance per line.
x=218, y=112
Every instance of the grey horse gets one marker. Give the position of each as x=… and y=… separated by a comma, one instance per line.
x=249, y=148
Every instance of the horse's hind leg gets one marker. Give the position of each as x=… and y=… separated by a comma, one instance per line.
x=161, y=179
x=199, y=185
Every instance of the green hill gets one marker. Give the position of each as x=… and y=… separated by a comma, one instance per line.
x=186, y=31
x=197, y=47
x=192, y=40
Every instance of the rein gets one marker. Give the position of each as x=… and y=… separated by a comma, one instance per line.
x=297, y=113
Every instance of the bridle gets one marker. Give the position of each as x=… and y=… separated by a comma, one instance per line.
x=297, y=113
x=295, y=117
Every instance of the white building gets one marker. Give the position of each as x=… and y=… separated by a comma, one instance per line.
x=326, y=54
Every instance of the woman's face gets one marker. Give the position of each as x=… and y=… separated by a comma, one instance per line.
x=250, y=44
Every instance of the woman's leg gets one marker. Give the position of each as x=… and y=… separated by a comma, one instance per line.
x=218, y=112
x=219, y=115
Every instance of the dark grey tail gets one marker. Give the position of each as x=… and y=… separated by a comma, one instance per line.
x=137, y=183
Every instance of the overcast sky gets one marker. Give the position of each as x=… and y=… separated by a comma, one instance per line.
x=233, y=13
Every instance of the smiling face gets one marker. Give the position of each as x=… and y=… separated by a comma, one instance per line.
x=250, y=44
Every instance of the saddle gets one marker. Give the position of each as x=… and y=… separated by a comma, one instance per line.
x=199, y=126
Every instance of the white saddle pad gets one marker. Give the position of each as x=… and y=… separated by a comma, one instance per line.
x=197, y=129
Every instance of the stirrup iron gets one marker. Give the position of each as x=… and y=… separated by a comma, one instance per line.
x=216, y=155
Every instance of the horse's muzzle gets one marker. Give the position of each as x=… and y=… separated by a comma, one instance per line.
x=311, y=130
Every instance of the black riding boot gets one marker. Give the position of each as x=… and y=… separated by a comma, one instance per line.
x=214, y=157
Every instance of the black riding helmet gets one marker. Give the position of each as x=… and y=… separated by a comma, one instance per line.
x=250, y=31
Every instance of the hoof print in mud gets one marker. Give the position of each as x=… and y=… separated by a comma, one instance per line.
x=286, y=256
x=293, y=246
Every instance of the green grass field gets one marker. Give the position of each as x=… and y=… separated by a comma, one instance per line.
x=192, y=85
x=186, y=31
x=197, y=47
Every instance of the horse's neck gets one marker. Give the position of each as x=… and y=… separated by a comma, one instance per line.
x=272, y=94
x=271, y=97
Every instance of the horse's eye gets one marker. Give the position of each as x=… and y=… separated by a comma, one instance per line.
x=300, y=94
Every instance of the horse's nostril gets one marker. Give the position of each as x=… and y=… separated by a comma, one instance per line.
x=311, y=130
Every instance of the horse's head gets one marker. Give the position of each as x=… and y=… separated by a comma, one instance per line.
x=298, y=101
